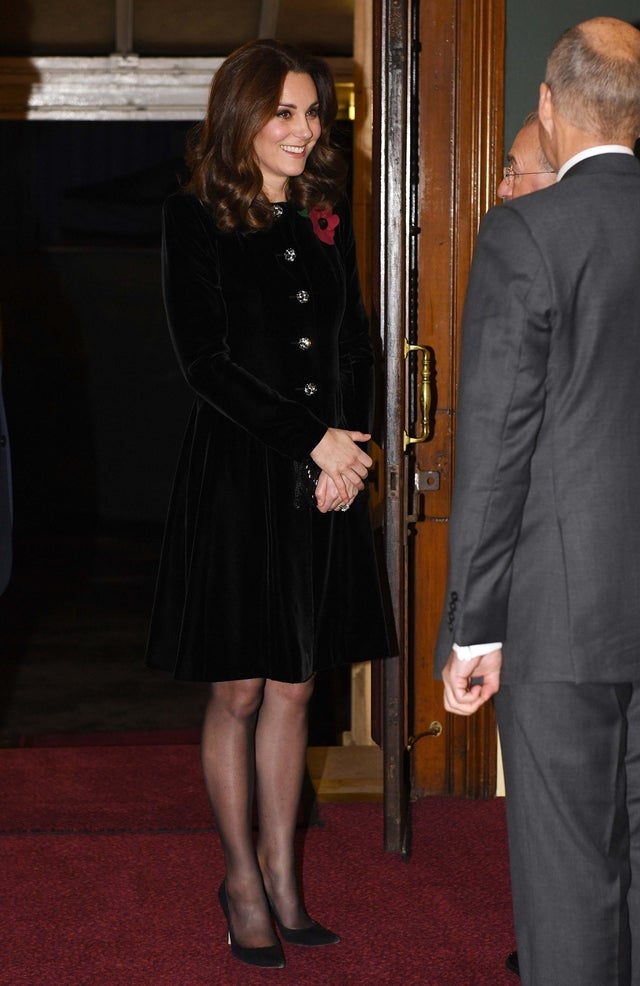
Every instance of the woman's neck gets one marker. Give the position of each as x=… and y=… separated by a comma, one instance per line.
x=273, y=194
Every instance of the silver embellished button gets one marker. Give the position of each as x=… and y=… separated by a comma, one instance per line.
x=302, y=297
x=277, y=210
x=304, y=343
x=290, y=254
x=310, y=389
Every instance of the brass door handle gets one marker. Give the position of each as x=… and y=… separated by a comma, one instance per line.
x=425, y=394
x=435, y=729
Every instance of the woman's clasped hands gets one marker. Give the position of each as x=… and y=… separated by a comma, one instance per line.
x=344, y=466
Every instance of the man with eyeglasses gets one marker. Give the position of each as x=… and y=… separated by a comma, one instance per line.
x=543, y=596
x=528, y=169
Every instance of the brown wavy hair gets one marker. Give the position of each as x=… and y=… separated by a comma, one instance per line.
x=245, y=93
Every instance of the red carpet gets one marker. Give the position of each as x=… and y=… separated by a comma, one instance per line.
x=103, y=789
x=136, y=737
x=109, y=871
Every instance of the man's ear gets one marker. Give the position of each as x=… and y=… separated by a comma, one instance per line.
x=545, y=108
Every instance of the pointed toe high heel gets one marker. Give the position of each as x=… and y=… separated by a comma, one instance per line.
x=512, y=963
x=313, y=935
x=266, y=957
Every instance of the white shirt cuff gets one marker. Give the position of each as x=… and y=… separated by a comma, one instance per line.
x=470, y=651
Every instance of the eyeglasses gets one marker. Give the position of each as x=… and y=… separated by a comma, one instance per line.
x=509, y=174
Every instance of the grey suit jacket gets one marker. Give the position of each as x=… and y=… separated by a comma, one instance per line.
x=545, y=524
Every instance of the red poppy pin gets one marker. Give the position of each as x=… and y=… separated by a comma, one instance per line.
x=324, y=223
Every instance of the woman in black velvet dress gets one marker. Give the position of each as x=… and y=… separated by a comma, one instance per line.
x=268, y=572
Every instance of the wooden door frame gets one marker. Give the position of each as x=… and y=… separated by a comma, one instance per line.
x=392, y=56
x=461, y=64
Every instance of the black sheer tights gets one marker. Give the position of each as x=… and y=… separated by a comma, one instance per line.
x=254, y=740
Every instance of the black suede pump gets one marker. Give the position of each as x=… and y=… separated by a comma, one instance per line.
x=266, y=957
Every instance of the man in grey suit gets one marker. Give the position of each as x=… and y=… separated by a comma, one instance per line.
x=543, y=600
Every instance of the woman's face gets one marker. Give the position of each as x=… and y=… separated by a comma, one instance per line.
x=286, y=140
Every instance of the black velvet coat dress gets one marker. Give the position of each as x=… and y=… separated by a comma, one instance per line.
x=271, y=333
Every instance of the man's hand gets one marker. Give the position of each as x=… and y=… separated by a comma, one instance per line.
x=460, y=695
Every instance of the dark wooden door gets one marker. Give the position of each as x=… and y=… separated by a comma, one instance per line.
x=392, y=45
x=439, y=72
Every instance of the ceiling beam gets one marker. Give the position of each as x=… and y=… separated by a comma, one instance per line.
x=124, y=27
x=268, y=25
x=114, y=87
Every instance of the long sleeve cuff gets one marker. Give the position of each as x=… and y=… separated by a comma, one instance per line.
x=470, y=651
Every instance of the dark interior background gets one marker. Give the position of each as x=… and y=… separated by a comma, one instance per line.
x=96, y=402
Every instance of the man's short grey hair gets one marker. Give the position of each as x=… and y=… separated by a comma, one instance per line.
x=596, y=91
